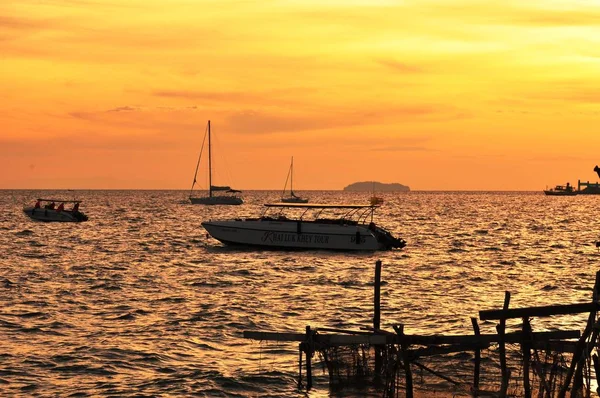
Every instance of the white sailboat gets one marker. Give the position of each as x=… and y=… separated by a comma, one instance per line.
x=213, y=199
x=292, y=198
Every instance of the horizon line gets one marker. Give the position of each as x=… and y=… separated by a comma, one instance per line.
x=255, y=190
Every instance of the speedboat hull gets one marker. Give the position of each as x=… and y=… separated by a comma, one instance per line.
x=217, y=200
x=560, y=193
x=296, y=234
x=52, y=215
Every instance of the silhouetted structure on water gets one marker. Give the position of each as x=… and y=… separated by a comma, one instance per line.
x=517, y=364
x=589, y=188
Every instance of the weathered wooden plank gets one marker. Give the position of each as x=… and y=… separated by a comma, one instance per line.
x=376, y=339
x=338, y=339
x=546, y=310
x=378, y=331
x=514, y=337
x=346, y=331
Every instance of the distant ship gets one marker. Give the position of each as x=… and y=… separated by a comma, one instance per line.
x=561, y=190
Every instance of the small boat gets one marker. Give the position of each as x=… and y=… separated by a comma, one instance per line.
x=376, y=200
x=561, y=190
x=292, y=198
x=352, y=229
x=212, y=198
x=48, y=210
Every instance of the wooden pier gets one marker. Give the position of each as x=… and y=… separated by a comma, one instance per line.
x=557, y=363
x=592, y=188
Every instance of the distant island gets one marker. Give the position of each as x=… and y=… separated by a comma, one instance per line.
x=369, y=186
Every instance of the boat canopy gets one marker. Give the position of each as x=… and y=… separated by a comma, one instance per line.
x=59, y=200
x=318, y=206
x=233, y=191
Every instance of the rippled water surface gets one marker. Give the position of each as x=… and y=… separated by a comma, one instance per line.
x=139, y=301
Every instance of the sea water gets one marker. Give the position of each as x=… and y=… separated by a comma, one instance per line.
x=140, y=301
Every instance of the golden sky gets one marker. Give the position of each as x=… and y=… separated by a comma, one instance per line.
x=434, y=94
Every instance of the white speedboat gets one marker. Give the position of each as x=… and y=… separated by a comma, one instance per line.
x=54, y=210
x=352, y=229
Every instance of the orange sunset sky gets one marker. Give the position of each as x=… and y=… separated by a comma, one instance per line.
x=437, y=95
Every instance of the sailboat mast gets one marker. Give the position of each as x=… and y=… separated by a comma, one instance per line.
x=292, y=176
x=209, y=163
x=197, y=165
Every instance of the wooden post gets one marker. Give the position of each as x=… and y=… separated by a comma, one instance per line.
x=501, y=328
x=596, y=291
x=377, y=314
x=579, y=349
x=405, y=359
x=309, y=348
x=526, y=348
x=376, y=296
x=578, y=377
x=597, y=369
x=300, y=366
x=477, y=358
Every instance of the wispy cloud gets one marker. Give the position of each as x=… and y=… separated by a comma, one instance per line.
x=401, y=67
x=23, y=23
x=205, y=95
x=124, y=109
x=401, y=148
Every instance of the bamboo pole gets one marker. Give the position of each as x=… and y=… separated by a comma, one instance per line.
x=578, y=377
x=579, y=350
x=597, y=371
x=501, y=328
x=477, y=367
x=405, y=359
x=309, y=352
x=300, y=366
x=526, y=349
x=542, y=311
x=436, y=373
x=377, y=314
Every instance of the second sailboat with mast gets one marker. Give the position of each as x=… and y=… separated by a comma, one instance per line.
x=213, y=199
x=293, y=198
